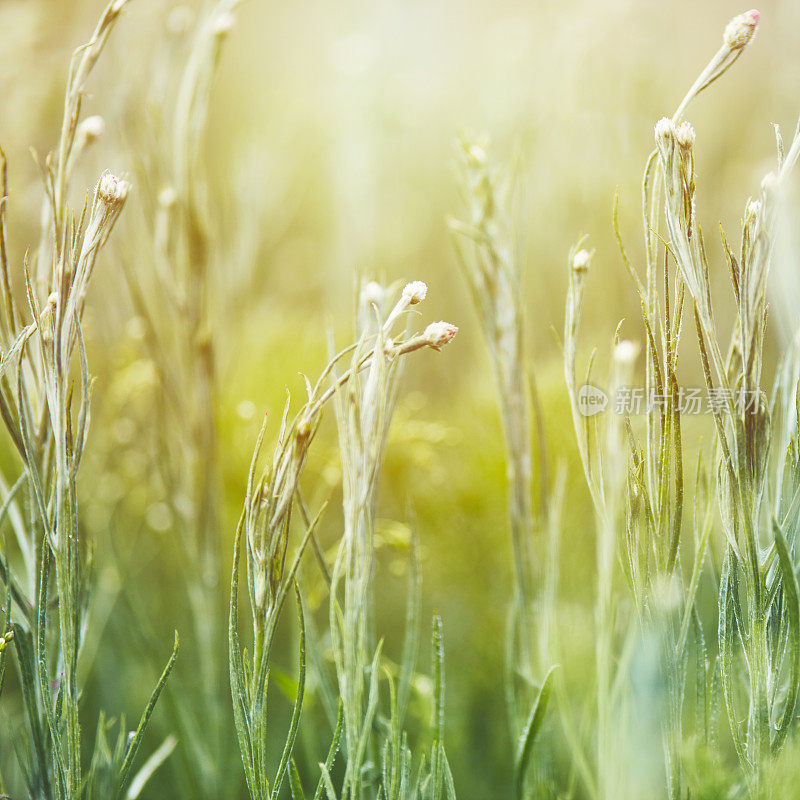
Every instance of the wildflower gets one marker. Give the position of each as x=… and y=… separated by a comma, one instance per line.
x=414, y=292
x=685, y=135
x=112, y=190
x=664, y=130
x=372, y=294
x=438, y=334
x=740, y=30
x=580, y=261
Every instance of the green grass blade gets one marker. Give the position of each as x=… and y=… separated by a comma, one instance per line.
x=531, y=730
x=298, y=703
x=438, y=707
x=791, y=597
x=136, y=740
x=23, y=642
x=408, y=661
x=150, y=766
x=332, y=751
x=239, y=690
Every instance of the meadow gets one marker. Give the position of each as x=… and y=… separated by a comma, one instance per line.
x=399, y=401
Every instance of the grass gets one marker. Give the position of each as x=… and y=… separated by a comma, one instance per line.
x=674, y=672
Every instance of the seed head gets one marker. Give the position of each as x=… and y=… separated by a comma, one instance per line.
x=740, y=30
x=438, y=334
x=112, y=190
x=414, y=292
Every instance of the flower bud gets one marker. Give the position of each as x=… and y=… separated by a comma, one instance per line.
x=112, y=190
x=580, y=261
x=740, y=30
x=664, y=130
x=414, y=292
x=685, y=135
x=625, y=352
x=438, y=334
x=372, y=294
x=91, y=128
x=167, y=197
x=223, y=24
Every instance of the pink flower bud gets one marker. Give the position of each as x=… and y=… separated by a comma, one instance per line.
x=740, y=30
x=438, y=334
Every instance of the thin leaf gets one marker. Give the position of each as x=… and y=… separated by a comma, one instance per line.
x=531, y=730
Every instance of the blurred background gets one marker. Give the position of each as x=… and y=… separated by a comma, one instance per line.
x=330, y=155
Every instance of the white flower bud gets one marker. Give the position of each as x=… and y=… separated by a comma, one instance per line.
x=112, y=190
x=685, y=135
x=740, y=30
x=167, y=197
x=580, y=261
x=372, y=294
x=414, y=292
x=223, y=24
x=438, y=334
x=91, y=128
x=664, y=130
x=625, y=352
